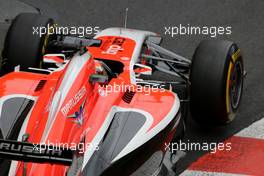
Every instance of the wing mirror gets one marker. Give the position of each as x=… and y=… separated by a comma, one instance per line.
x=141, y=69
x=54, y=58
x=96, y=78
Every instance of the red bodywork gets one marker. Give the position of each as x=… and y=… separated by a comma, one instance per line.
x=63, y=129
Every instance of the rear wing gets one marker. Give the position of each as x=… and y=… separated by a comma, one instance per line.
x=28, y=152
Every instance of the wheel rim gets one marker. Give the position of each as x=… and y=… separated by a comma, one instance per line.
x=236, y=81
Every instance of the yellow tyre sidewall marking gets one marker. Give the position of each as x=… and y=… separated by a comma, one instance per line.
x=46, y=39
x=234, y=57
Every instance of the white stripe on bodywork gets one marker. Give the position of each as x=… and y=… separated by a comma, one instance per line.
x=256, y=130
x=13, y=167
x=204, y=173
x=142, y=136
x=75, y=66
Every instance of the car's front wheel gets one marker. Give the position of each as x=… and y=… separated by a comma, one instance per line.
x=216, y=82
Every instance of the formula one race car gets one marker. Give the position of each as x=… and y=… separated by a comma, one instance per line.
x=106, y=105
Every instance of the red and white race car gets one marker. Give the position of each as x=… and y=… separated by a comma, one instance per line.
x=106, y=105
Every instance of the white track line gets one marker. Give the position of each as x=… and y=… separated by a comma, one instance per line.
x=255, y=130
x=202, y=173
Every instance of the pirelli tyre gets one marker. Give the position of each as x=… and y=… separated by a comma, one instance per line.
x=23, y=44
x=216, y=82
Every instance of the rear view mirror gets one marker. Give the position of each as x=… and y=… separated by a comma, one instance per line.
x=141, y=69
x=54, y=58
x=96, y=78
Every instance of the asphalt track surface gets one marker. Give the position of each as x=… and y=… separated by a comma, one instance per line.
x=244, y=16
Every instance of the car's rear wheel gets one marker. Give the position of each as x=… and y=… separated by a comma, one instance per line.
x=23, y=45
x=216, y=82
x=23, y=48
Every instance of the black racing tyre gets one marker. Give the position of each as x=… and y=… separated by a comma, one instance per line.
x=22, y=47
x=216, y=82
